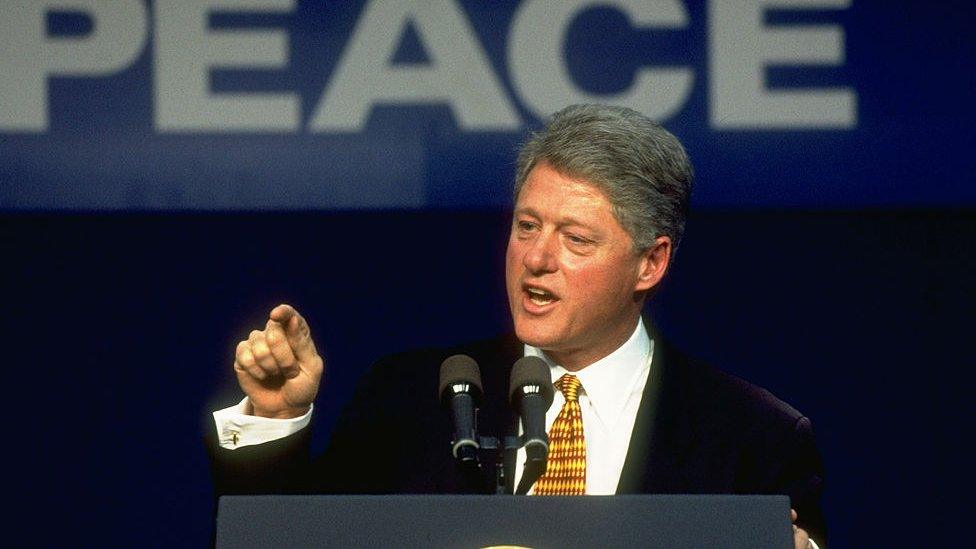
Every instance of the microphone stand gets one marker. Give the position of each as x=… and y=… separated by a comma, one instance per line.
x=491, y=450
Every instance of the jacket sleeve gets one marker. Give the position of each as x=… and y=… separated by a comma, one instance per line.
x=800, y=474
x=375, y=424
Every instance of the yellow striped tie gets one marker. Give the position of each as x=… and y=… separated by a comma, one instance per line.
x=566, y=468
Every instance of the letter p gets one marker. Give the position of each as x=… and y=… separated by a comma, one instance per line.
x=28, y=56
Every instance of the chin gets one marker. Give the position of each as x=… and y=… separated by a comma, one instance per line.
x=532, y=334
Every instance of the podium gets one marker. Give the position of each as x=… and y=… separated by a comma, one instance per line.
x=665, y=521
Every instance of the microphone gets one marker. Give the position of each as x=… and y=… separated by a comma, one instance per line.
x=460, y=388
x=531, y=392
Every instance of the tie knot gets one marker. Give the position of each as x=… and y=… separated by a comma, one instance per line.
x=569, y=386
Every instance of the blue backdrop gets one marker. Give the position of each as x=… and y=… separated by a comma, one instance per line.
x=312, y=105
x=168, y=174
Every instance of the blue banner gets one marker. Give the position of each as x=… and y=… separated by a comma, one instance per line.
x=287, y=104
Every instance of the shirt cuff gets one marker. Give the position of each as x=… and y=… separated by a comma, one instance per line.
x=235, y=429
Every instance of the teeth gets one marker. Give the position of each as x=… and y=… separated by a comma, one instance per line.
x=539, y=297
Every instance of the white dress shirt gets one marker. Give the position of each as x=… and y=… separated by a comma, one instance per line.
x=610, y=395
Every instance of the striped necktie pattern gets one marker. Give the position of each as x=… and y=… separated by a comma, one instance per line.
x=566, y=466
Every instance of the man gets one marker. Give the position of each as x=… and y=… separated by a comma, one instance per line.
x=601, y=196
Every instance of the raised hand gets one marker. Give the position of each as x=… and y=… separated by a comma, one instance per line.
x=278, y=368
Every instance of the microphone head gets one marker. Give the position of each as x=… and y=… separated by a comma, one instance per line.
x=459, y=369
x=532, y=371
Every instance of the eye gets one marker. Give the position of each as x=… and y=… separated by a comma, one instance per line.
x=577, y=239
x=525, y=226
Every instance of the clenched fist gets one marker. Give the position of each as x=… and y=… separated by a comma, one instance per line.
x=278, y=367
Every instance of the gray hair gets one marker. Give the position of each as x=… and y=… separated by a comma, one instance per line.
x=640, y=166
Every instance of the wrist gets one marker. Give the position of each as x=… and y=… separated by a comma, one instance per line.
x=287, y=413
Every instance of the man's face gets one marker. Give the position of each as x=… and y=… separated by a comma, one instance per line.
x=572, y=273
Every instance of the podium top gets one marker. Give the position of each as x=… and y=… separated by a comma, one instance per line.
x=671, y=521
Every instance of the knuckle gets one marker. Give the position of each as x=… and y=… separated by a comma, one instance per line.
x=265, y=360
x=254, y=369
x=281, y=349
x=246, y=367
x=248, y=356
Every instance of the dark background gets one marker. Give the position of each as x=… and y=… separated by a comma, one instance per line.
x=833, y=267
x=122, y=329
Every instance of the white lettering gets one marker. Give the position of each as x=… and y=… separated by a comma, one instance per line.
x=459, y=72
x=28, y=56
x=741, y=47
x=186, y=51
x=538, y=66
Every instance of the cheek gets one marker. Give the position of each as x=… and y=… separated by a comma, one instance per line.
x=512, y=263
x=602, y=283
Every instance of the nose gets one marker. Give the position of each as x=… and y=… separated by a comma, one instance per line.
x=540, y=256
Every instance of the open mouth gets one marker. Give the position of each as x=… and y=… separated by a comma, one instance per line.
x=539, y=297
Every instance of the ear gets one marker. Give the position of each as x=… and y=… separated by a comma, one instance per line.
x=653, y=264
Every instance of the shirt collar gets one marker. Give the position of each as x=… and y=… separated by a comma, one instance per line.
x=609, y=381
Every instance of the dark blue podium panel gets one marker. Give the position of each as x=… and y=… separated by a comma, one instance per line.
x=667, y=521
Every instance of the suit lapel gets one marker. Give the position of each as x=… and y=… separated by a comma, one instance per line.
x=662, y=431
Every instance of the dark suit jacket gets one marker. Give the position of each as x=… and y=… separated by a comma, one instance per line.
x=698, y=430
